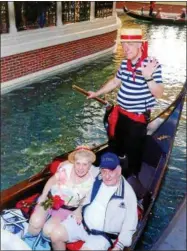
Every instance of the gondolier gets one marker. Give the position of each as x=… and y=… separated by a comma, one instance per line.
x=151, y=8
x=164, y=20
x=140, y=80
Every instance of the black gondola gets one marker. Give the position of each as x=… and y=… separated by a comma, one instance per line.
x=160, y=139
x=147, y=18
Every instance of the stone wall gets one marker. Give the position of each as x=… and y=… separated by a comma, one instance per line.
x=21, y=64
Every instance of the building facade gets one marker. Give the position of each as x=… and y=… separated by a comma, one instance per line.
x=39, y=40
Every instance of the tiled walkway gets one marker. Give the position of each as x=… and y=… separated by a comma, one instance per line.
x=174, y=237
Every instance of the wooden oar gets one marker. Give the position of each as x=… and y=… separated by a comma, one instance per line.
x=102, y=101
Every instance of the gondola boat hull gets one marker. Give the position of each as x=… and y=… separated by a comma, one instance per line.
x=154, y=20
x=155, y=160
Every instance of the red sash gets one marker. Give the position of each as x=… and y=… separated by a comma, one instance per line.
x=113, y=118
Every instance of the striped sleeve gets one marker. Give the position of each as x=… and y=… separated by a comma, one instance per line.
x=119, y=72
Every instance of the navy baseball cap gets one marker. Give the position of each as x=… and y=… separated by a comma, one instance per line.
x=109, y=161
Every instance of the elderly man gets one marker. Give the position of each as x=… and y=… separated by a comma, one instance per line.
x=109, y=213
x=140, y=80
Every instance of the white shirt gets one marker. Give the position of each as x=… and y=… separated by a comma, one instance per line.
x=95, y=213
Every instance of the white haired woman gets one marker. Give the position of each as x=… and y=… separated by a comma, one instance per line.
x=64, y=192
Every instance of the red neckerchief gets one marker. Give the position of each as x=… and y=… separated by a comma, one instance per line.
x=139, y=62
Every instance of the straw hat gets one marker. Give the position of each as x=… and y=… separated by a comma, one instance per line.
x=71, y=156
x=131, y=35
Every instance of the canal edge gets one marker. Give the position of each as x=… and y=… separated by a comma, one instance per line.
x=176, y=224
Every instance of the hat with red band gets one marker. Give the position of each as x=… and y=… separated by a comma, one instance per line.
x=131, y=35
x=135, y=35
x=71, y=156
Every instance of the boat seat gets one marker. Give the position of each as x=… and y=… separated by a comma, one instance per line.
x=27, y=205
x=149, y=157
x=74, y=245
x=146, y=175
x=54, y=165
x=137, y=186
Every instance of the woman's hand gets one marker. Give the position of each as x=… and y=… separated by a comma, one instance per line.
x=77, y=216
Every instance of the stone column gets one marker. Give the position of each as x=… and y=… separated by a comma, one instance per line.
x=59, y=14
x=92, y=11
x=114, y=9
x=11, y=16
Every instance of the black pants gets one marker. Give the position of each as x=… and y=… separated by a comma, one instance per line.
x=129, y=140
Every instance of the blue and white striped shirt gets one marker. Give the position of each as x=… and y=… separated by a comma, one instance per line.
x=135, y=96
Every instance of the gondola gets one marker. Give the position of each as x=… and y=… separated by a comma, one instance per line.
x=158, y=146
x=166, y=21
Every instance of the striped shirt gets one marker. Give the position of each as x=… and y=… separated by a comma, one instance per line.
x=136, y=96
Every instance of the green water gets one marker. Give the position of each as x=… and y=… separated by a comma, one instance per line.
x=48, y=118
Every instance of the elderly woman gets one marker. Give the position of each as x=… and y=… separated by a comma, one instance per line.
x=64, y=191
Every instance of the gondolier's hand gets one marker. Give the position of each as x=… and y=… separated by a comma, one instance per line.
x=148, y=69
x=91, y=95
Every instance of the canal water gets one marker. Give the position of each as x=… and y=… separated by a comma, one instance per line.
x=48, y=118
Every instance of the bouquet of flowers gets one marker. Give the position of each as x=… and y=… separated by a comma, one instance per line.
x=54, y=202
